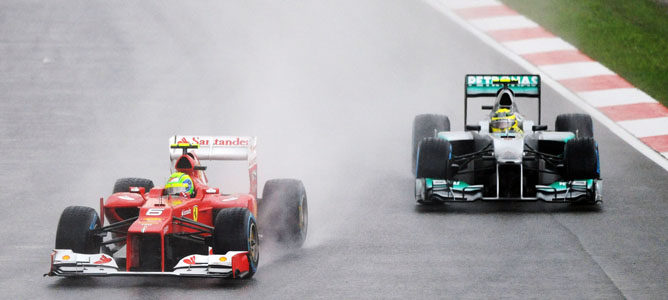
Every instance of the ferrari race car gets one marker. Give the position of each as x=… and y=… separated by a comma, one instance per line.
x=187, y=228
x=504, y=156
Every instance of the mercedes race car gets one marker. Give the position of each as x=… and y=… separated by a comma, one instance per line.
x=505, y=156
x=187, y=228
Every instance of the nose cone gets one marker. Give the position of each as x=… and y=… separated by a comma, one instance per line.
x=509, y=150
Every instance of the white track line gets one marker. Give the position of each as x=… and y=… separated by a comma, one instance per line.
x=616, y=97
x=646, y=127
x=575, y=70
x=457, y=4
x=566, y=93
x=538, y=45
x=505, y=22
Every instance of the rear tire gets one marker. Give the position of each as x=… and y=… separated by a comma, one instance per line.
x=578, y=124
x=124, y=184
x=235, y=230
x=433, y=158
x=76, y=230
x=581, y=159
x=284, y=211
x=425, y=126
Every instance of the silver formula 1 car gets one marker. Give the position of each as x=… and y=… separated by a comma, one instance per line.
x=505, y=156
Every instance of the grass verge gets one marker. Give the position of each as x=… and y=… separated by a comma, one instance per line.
x=628, y=37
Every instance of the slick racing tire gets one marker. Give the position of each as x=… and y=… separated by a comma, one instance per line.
x=77, y=230
x=433, y=158
x=284, y=212
x=124, y=184
x=581, y=159
x=425, y=126
x=578, y=124
x=234, y=229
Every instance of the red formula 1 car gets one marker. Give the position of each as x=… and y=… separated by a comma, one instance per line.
x=201, y=233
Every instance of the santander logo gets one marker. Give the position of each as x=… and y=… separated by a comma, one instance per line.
x=223, y=141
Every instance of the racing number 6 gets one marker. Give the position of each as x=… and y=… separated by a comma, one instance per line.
x=154, y=212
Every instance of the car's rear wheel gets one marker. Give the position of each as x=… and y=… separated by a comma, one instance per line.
x=578, y=124
x=235, y=230
x=284, y=212
x=581, y=159
x=77, y=230
x=433, y=159
x=424, y=126
x=124, y=184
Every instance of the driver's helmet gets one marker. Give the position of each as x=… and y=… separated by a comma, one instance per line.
x=504, y=120
x=178, y=184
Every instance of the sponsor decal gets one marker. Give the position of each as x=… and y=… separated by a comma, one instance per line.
x=195, y=212
x=190, y=260
x=186, y=212
x=438, y=181
x=154, y=211
x=487, y=80
x=103, y=260
x=232, y=141
x=166, y=229
x=229, y=199
x=127, y=198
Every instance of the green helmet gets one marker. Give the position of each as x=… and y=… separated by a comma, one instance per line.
x=178, y=183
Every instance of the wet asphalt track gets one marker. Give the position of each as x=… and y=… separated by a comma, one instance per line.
x=90, y=91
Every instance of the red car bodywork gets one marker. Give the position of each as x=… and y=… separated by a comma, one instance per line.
x=160, y=216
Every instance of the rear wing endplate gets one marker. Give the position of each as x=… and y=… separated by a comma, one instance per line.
x=487, y=85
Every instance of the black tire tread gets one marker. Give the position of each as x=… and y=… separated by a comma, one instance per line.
x=74, y=230
x=231, y=232
x=433, y=158
x=581, y=159
x=424, y=126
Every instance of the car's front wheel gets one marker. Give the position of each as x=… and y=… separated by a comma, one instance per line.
x=235, y=230
x=433, y=159
x=424, y=126
x=77, y=230
x=581, y=159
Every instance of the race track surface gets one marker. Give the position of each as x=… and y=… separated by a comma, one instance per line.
x=91, y=90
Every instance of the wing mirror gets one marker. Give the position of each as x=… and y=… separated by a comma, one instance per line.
x=539, y=127
x=472, y=127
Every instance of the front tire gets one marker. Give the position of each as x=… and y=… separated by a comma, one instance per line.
x=284, y=209
x=424, y=126
x=77, y=230
x=581, y=160
x=433, y=159
x=235, y=230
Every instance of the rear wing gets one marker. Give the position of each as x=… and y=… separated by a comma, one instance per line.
x=487, y=85
x=216, y=147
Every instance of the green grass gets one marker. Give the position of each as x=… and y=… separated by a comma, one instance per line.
x=629, y=37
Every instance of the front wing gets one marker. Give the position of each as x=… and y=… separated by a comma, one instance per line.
x=67, y=263
x=429, y=190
